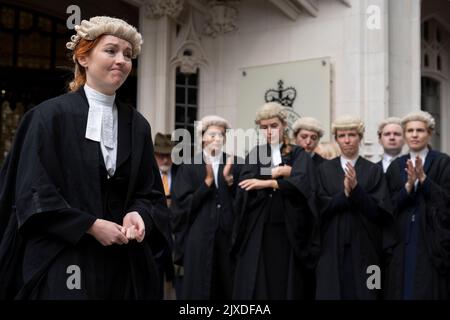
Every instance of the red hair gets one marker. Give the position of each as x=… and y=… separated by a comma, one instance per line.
x=83, y=48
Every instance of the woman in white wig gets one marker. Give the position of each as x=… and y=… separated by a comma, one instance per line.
x=273, y=239
x=307, y=134
x=203, y=215
x=419, y=183
x=354, y=208
x=82, y=207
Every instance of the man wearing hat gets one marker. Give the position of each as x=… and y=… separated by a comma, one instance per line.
x=163, y=148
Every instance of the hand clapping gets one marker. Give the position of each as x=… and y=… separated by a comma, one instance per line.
x=350, y=181
x=227, y=175
x=414, y=173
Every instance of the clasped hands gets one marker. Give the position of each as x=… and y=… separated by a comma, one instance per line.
x=350, y=181
x=108, y=233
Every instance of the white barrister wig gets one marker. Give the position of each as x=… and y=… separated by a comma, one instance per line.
x=211, y=120
x=423, y=116
x=307, y=123
x=97, y=26
x=348, y=122
x=385, y=122
x=271, y=110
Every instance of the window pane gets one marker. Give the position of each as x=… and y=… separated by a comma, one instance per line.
x=191, y=115
x=7, y=18
x=193, y=79
x=6, y=49
x=180, y=78
x=192, y=96
x=179, y=114
x=191, y=131
x=26, y=20
x=180, y=95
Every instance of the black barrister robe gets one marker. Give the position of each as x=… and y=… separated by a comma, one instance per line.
x=352, y=230
x=202, y=222
x=275, y=233
x=420, y=263
x=52, y=188
x=318, y=159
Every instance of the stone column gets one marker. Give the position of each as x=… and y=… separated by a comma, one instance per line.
x=156, y=26
x=374, y=72
x=404, y=56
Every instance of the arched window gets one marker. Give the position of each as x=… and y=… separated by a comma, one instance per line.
x=186, y=100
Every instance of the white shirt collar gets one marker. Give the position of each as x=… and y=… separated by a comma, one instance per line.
x=276, y=154
x=215, y=162
x=101, y=98
x=388, y=157
x=422, y=154
x=344, y=160
x=387, y=160
x=214, y=159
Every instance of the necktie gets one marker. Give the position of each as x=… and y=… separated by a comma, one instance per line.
x=165, y=181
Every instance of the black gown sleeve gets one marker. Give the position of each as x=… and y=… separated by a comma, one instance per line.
x=329, y=204
x=187, y=198
x=364, y=202
x=39, y=202
x=436, y=191
x=68, y=224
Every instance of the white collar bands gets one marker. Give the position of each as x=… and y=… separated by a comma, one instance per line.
x=100, y=117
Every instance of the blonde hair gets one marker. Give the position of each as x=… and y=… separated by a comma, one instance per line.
x=328, y=150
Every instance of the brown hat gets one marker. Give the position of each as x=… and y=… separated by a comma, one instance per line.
x=163, y=143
